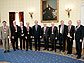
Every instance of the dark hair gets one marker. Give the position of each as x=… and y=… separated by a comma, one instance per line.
x=4, y=21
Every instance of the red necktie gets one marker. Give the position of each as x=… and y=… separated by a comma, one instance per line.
x=15, y=27
x=52, y=29
x=28, y=29
x=44, y=30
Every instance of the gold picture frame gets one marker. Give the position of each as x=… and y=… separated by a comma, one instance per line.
x=43, y=17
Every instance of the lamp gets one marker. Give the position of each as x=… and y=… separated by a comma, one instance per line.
x=31, y=15
x=68, y=10
x=31, y=12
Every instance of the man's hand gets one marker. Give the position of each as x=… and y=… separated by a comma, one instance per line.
x=49, y=38
x=80, y=40
x=12, y=37
x=31, y=37
x=56, y=38
x=26, y=37
x=22, y=35
x=40, y=36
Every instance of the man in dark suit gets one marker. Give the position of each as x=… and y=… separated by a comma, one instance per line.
x=28, y=36
x=14, y=35
x=22, y=35
x=45, y=36
x=62, y=35
x=53, y=36
x=79, y=38
x=37, y=34
x=70, y=36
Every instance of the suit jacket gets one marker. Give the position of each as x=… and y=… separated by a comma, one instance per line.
x=79, y=33
x=83, y=31
x=55, y=31
x=3, y=34
x=30, y=31
x=72, y=31
x=64, y=31
x=37, y=33
x=47, y=33
x=24, y=31
x=13, y=31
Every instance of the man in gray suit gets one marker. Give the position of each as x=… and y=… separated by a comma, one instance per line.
x=4, y=36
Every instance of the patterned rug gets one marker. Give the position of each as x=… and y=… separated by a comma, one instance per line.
x=20, y=56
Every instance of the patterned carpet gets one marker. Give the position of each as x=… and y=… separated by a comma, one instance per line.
x=20, y=56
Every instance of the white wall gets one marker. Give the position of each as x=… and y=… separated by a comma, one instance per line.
x=82, y=13
x=7, y=6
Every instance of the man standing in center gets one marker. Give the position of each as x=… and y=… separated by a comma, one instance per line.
x=36, y=30
x=22, y=35
x=45, y=35
x=62, y=35
x=53, y=36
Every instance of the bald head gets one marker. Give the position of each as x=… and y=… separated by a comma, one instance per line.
x=14, y=22
x=45, y=24
x=36, y=22
x=78, y=22
x=27, y=23
x=52, y=23
x=21, y=23
x=62, y=22
x=69, y=22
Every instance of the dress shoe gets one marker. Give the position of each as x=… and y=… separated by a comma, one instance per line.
x=51, y=50
x=35, y=49
x=14, y=49
x=78, y=57
x=26, y=49
x=17, y=48
x=47, y=49
x=44, y=49
x=4, y=51
x=8, y=51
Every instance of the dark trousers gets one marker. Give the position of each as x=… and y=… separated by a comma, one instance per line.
x=37, y=43
x=28, y=40
x=62, y=42
x=78, y=47
x=15, y=40
x=46, y=40
x=53, y=42
x=22, y=38
x=69, y=45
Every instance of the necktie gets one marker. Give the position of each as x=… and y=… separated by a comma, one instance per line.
x=36, y=27
x=69, y=29
x=15, y=27
x=44, y=29
x=4, y=29
x=28, y=29
x=52, y=29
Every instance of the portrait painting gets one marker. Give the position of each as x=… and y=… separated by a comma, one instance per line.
x=49, y=10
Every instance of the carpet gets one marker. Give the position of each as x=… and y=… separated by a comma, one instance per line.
x=20, y=56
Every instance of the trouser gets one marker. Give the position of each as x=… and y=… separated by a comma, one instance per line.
x=13, y=43
x=28, y=40
x=37, y=43
x=53, y=41
x=22, y=38
x=78, y=47
x=46, y=40
x=62, y=42
x=6, y=44
x=69, y=45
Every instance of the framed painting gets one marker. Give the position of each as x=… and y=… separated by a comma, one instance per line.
x=49, y=11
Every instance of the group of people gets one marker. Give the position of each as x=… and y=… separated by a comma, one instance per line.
x=52, y=34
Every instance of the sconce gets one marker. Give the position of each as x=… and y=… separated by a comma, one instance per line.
x=68, y=10
x=31, y=15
